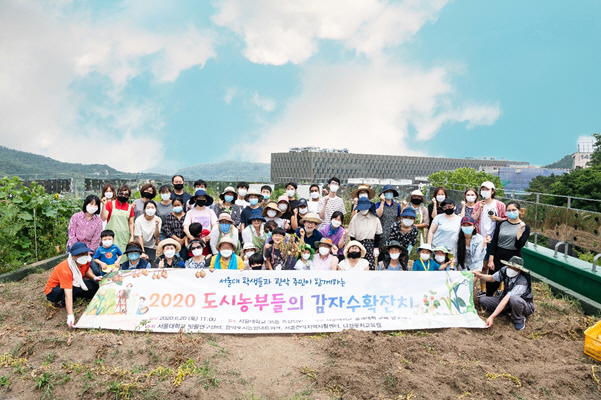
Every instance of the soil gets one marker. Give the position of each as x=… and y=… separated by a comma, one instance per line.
x=40, y=357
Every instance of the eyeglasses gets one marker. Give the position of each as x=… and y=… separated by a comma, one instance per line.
x=195, y=247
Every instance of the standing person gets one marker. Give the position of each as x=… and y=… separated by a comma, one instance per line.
x=366, y=228
x=199, y=184
x=291, y=188
x=173, y=227
x=147, y=229
x=299, y=213
x=284, y=207
x=226, y=259
x=242, y=188
x=325, y=260
x=265, y=195
x=200, y=213
x=120, y=217
x=255, y=233
x=404, y=232
x=107, y=194
x=388, y=210
x=331, y=202
x=354, y=258
x=147, y=192
x=86, y=225
x=314, y=197
x=397, y=258
x=271, y=212
x=435, y=208
x=67, y=281
x=507, y=241
x=165, y=206
x=252, y=197
x=466, y=208
x=136, y=259
x=168, y=251
x=198, y=260
x=178, y=189
x=417, y=201
x=363, y=191
x=227, y=205
x=470, y=246
x=336, y=232
x=225, y=228
x=444, y=226
x=309, y=234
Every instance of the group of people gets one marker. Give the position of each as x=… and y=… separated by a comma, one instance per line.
x=245, y=228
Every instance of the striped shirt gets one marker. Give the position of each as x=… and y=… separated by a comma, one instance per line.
x=334, y=204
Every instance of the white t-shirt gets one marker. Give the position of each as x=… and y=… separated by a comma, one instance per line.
x=206, y=217
x=301, y=266
x=487, y=225
x=313, y=206
x=241, y=203
x=445, y=230
x=145, y=228
x=362, y=265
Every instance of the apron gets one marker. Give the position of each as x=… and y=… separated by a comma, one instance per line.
x=388, y=218
x=420, y=234
x=369, y=255
x=119, y=223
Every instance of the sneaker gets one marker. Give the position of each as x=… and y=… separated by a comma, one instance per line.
x=519, y=327
x=498, y=293
x=480, y=293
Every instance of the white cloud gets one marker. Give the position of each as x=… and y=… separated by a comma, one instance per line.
x=48, y=52
x=229, y=95
x=265, y=103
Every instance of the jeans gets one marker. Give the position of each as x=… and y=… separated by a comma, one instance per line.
x=57, y=295
x=518, y=307
x=95, y=268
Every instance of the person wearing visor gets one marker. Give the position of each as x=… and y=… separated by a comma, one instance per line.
x=136, y=257
x=199, y=213
x=68, y=282
x=444, y=225
x=388, y=210
x=331, y=202
x=227, y=205
x=366, y=228
x=397, y=257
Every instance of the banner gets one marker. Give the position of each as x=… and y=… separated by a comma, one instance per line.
x=190, y=300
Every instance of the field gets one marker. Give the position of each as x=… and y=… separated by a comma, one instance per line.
x=40, y=357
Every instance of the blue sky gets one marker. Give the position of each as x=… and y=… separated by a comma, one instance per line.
x=150, y=85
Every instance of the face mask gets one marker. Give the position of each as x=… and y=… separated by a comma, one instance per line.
x=150, y=212
x=449, y=211
x=470, y=199
x=314, y=195
x=485, y=194
x=336, y=223
x=107, y=243
x=83, y=259
x=283, y=206
x=200, y=203
x=306, y=256
x=363, y=195
x=512, y=273
x=242, y=192
x=197, y=252
x=440, y=259
x=424, y=256
x=388, y=196
x=407, y=221
x=334, y=188
x=178, y=209
x=225, y=228
x=364, y=212
x=303, y=210
x=253, y=202
x=513, y=214
x=268, y=235
x=91, y=209
x=108, y=195
x=467, y=229
x=147, y=195
x=226, y=253
x=324, y=251
x=249, y=253
x=169, y=253
x=228, y=198
x=133, y=256
x=395, y=256
x=354, y=254
x=122, y=199
x=290, y=193
x=165, y=196
x=272, y=213
x=178, y=186
x=440, y=198
x=266, y=196
x=416, y=201
x=257, y=267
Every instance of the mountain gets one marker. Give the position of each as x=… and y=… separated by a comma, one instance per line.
x=565, y=162
x=229, y=171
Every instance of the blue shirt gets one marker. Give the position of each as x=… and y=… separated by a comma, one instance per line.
x=108, y=255
x=142, y=264
x=430, y=265
x=310, y=240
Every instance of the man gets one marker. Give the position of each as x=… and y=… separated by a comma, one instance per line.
x=266, y=193
x=331, y=202
x=67, y=282
x=178, y=189
x=242, y=188
x=517, y=298
x=313, y=202
x=291, y=188
x=307, y=232
x=200, y=185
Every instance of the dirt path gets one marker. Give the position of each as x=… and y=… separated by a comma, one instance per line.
x=41, y=357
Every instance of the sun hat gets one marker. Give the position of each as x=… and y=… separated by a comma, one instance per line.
x=394, y=243
x=443, y=249
x=229, y=189
x=283, y=198
x=446, y=201
x=419, y=193
x=468, y=219
x=425, y=246
x=133, y=248
x=79, y=248
x=201, y=192
x=302, y=248
x=251, y=191
x=363, y=204
x=248, y=246
x=370, y=192
x=388, y=188
x=310, y=217
x=273, y=206
x=321, y=241
x=256, y=214
x=165, y=242
x=225, y=239
x=354, y=243
x=516, y=262
x=408, y=212
x=225, y=217
x=488, y=185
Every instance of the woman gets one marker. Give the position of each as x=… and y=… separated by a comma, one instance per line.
x=107, y=194
x=301, y=210
x=405, y=232
x=271, y=212
x=165, y=206
x=397, y=258
x=362, y=192
x=226, y=259
x=147, y=229
x=198, y=260
x=169, y=257
x=227, y=205
x=466, y=208
x=325, y=260
x=173, y=227
x=336, y=233
x=86, y=225
x=224, y=228
x=275, y=258
x=287, y=213
x=444, y=226
x=248, y=250
x=388, y=210
x=366, y=228
x=354, y=258
x=136, y=257
x=200, y=213
x=417, y=201
x=255, y=233
x=435, y=207
x=470, y=246
x=120, y=218
x=147, y=192
x=508, y=239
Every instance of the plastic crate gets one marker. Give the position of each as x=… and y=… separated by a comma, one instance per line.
x=592, y=341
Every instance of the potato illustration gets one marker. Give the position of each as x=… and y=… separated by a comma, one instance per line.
x=144, y=272
x=154, y=276
x=164, y=274
x=197, y=274
x=158, y=275
x=202, y=273
x=212, y=269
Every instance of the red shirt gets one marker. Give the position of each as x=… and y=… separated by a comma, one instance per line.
x=62, y=275
x=120, y=206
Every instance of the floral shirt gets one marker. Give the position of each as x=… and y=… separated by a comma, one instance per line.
x=83, y=230
x=405, y=239
x=202, y=264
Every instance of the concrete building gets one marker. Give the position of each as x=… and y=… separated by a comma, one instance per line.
x=583, y=155
x=517, y=178
x=316, y=165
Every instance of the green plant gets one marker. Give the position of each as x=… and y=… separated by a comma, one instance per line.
x=45, y=384
x=4, y=381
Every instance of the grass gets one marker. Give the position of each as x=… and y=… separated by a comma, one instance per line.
x=45, y=383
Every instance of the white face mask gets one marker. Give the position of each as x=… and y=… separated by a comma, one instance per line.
x=271, y=213
x=249, y=253
x=395, y=256
x=226, y=253
x=283, y=206
x=336, y=223
x=91, y=209
x=83, y=259
x=364, y=212
x=197, y=252
x=165, y=196
x=150, y=212
x=324, y=251
x=242, y=192
x=512, y=273
x=334, y=188
x=314, y=195
x=364, y=195
x=440, y=198
x=485, y=194
x=440, y=259
x=470, y=199
x=306, y=256
x=107, y=243
x=303, y=210
x=424, y=256
x=169, y=253
x=407, y=221
x=290, y=193
x=108, y=195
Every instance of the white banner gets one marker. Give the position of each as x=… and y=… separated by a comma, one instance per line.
x=281, y=301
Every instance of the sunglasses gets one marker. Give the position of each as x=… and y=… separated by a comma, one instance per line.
x=195, y=247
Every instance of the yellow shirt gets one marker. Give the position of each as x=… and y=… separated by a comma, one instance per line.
x=224, y=265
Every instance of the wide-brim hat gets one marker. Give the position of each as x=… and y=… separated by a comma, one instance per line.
x=321, y=241
x=201, y=192
x=516, y=262
x=310, y=217
x=443, y=249
x=133, y=248
x=408, y=212
x=229, y=189
x=425, y=246
x=225, y=217
x=370, y=192
x=416, y=193
x=225, y=239
x=354, y=243
x=396, y=244
x=363, y=204
x=252, y=191
x=165, y=242
x=388, y=188
x=248, y=246
x=256, y=214
x=272, y=205
x=79, y=248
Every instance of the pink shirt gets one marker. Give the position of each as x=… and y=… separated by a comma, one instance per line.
x=83, y=230
x=322, y=265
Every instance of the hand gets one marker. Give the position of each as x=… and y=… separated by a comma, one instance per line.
x=286, y=226
x=157, y=221
x=267, y=246
x=487, y=239
x=452, y=261
x=490, y=321
x=355, y=200
x=434, y=200
x=205, y=239
x=324, y=191
x=70, y=320
x=376, y=253
x=144, y=256
x=104, y=200
x=97, y=278
x=522, y=225
x=131, y=238
x=404, y=203
x=334, y=249
x=382, y=197
x=302, y=232
x=462, y=202
x=344, y=233
x=491, y=265
x=161, y=264
x=477, y=274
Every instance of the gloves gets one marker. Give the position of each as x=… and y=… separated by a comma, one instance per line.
x=97, y=279
x=70, y=320
x=376, y=253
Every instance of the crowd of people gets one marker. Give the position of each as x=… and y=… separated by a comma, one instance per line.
x=245, y=228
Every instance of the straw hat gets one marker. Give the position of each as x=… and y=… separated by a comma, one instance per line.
x=251, y=191
x=228, y=189
x=354, y=243
x=310, y=217
x=165, y=242
x=273, y=206
x=370, y=192
x=225, y=217
x=225, y=239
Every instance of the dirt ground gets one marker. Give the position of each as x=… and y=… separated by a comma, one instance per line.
x=40, y=357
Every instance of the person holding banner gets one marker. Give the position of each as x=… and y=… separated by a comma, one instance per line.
x=366, y=228
x=325, y=259
x=354, y=258
x=305, y=259
x=425, y=262
x=226, y=259
x=397, y=258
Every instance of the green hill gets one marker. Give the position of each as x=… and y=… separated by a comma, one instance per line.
x=565, y=162
x=229, y=171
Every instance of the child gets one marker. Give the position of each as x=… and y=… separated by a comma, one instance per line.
x=425, y=263
x=256, y=262
x=108, y=256
x=441, y=256
x=248, y=251
x=305, y=261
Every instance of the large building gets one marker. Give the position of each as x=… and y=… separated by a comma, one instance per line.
x=518, y=177
x=586, y=146
x=311, y=164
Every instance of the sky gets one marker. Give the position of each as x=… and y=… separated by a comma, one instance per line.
x=159, y=85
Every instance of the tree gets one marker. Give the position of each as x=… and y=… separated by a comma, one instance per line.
x=464, y=178
x=595, y=161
